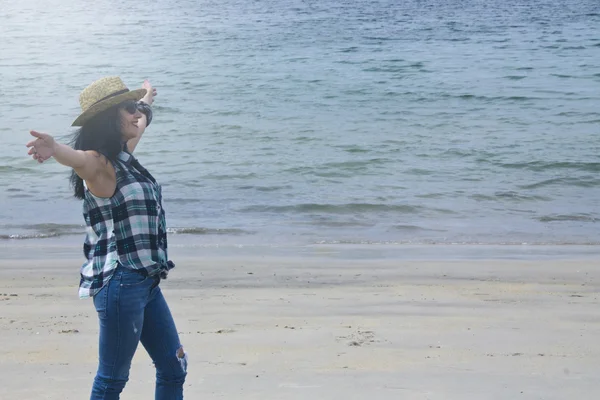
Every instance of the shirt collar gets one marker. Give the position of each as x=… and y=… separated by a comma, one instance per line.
x=125, y=157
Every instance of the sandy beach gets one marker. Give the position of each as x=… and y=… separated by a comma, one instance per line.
x=321, y=327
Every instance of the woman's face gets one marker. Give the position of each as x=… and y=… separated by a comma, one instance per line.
x=129, y=115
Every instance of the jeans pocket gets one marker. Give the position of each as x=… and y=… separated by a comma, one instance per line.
x=101, y=301
x=131, y=278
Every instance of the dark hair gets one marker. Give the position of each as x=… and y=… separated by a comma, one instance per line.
x=102, y=133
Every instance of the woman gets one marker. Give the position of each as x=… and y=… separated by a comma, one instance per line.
x=126, y=241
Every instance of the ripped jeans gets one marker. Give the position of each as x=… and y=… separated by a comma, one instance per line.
x=132, y=309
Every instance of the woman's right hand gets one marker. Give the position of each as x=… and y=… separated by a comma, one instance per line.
x=150, y=92
x=41, y=148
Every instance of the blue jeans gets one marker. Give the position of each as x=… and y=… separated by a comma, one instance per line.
x=131, y=308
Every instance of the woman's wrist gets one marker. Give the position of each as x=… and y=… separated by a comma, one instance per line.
x=146, y=110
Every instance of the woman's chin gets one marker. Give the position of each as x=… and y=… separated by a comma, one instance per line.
x=128, y=136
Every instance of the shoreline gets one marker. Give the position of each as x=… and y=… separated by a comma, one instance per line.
x=191, y=246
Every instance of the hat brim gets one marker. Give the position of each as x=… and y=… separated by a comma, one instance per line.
x=108, y=103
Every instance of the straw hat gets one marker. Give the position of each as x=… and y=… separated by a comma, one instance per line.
x=102, y=95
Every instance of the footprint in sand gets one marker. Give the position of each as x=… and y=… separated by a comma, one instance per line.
x=359, y=338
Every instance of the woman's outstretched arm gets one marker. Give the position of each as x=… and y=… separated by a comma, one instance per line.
x=89, y=165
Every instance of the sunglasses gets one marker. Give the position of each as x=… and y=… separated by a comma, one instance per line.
x=130, y=106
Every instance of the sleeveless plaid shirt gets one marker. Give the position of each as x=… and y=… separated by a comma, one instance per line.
x=128, y=228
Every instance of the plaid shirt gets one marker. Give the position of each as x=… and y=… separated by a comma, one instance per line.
x=128, y=229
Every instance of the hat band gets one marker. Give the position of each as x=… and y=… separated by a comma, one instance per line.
x=111, y=95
